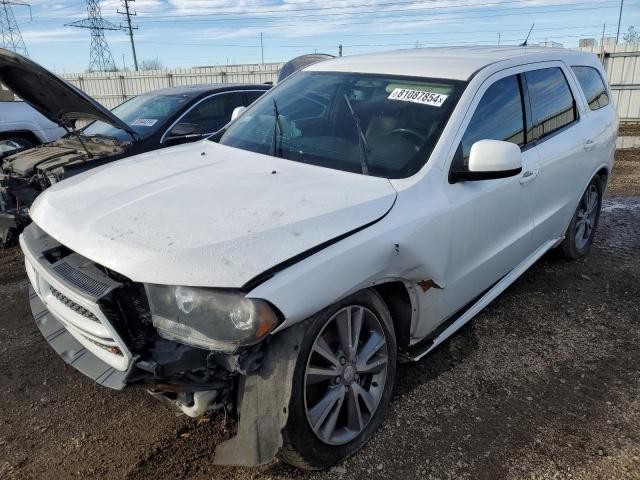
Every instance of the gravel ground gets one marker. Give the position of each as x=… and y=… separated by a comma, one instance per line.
x=543, y=384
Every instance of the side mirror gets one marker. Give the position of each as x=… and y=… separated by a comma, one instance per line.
x=490, y=159
x=237, y=112
x=185, y=131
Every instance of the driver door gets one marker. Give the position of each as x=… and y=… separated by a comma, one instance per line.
x=492, y=224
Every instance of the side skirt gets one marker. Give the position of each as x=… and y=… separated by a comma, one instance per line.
x=421, y=349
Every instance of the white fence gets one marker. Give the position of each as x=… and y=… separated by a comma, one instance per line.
x=113, y=88
x=623, y=69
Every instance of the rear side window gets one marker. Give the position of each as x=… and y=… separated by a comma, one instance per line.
x=552, y=104
x=593, y=87
x=498, y=116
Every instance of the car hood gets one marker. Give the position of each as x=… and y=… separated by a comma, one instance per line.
x=205, y=214
x=51, y=96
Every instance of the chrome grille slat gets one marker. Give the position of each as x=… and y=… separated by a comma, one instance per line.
x=80, y=280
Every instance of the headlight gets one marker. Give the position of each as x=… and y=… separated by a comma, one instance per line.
x=208, y=318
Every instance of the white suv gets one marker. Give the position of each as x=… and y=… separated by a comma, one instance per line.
x=356, y=215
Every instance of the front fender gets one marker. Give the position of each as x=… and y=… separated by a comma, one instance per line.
x=409, y=244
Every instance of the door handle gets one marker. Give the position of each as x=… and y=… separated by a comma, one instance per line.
x=529, y=176
x=589, y=144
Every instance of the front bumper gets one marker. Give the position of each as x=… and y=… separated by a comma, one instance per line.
x=99, y=322
x=65, y=302
x=71, y=350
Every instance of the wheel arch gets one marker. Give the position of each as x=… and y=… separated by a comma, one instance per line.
x=26, y=134
x=603, y=173
x=399, y=297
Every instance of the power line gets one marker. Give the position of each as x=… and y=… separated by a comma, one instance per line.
x=396, y=19
x=352, y=7
x=315, y=45
x=168, y=18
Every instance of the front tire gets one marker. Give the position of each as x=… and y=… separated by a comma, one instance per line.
x=583, y=225
x=342, y=383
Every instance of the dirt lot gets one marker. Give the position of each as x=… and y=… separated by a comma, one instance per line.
x=544, y=384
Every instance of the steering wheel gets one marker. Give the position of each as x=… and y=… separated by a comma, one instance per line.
x=409, y=131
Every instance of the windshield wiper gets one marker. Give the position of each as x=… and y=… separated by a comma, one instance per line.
x=362, y=141
x=277, y=131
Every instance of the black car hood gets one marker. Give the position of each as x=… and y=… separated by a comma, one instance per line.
x=54, y=98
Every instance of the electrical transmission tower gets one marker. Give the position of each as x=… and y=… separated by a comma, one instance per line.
x=10, y=36
x=100, y=58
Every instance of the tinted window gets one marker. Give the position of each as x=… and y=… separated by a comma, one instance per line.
x=552, y=105
x=215, y=112
x=592, y=86
x=498, y=116
x=253, y=95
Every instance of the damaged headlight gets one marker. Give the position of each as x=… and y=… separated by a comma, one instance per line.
x=208, y=318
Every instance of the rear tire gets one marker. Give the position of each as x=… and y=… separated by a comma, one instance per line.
x=583, y=225
x=356, y=385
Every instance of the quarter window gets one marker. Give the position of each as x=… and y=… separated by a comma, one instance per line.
x=552, y=104
x=498, y=116
x=593, y=87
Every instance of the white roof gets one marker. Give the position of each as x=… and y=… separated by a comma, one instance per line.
x=457, y=63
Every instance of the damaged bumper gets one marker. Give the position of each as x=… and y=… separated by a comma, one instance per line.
x=99, y=325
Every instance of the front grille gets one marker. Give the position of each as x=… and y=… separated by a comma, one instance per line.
x=73, y=305
x=80, y=280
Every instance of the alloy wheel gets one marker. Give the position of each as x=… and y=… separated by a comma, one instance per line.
x=587, y=212
x=345, y=375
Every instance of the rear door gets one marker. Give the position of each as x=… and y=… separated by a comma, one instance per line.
x=600, y=118
x=558, y=137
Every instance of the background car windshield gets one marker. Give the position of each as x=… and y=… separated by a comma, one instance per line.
x=401, y=119
x=144, y=114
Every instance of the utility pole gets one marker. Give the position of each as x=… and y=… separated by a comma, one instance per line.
x=604, y=26
x=128, y=14
x=10, y=36
x=619, y=20
x=499, y=36
x=100, y=58
x=261, y=49
x=340, y=50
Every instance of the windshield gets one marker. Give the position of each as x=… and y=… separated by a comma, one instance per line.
x=374, y=124
x=144, y=114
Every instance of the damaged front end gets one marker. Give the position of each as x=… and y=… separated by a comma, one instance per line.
x=102, y=324
x=24, y=175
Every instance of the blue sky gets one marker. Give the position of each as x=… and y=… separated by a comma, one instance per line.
x=185, y=33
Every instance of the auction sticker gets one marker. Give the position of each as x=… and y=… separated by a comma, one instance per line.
x=418, y=96
x=144, y=122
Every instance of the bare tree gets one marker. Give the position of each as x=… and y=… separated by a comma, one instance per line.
x=632, y=36
x=151, y=64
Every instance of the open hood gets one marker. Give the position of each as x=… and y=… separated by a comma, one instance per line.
x=54, y=98
x=205, y=214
